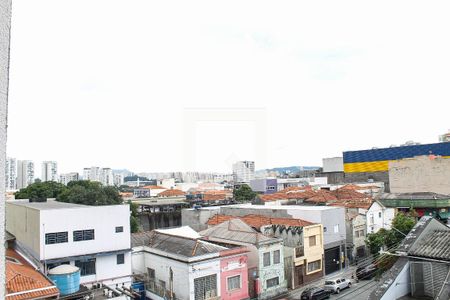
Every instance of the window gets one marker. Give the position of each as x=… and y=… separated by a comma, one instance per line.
x=272, y=282
x=299, y=251
x=266, y=259
x=87, y=267
x=312, y=240
x=338, y=281
x=119, y=229
x=151, y=273
x=83, y=235
x=379, y=215
x=205, y=287
x=56, y=238
x=120, y=259
x=336, y=228
x=234, y=283
x=324, y=229
x=314, y=266
x=276, y=257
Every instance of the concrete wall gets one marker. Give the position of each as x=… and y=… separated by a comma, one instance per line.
x=378, y=217
x=274, y=270
x=420, y=174
x=5, y=26
x=382, y=176
x=197, y=218
x=400, y=287
x=233, y=266
x=333, y=164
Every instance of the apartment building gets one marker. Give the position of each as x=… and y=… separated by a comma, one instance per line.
x=243, y=171
x=25, y=173
x=68, y=177
x=96, y=239
x=10, y=174
x=49, y=171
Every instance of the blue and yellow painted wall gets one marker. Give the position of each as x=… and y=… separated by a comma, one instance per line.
x=377, y=160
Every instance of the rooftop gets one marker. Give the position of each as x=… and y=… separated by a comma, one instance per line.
x=171, y=193
x=436, y=245
x=48, y=205
x=283, y=207
x=257, y=221
x=181, y=246
x=22, y=279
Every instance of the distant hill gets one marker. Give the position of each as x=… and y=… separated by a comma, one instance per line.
x=289, y=170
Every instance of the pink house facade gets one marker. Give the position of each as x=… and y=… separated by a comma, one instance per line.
x=234, y=274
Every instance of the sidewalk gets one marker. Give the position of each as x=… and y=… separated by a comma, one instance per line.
x=295, y=294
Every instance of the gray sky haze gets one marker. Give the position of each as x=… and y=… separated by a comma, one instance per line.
x=134, y=84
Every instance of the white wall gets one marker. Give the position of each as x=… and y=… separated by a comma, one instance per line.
x=103, y=219
x=401, y=285
x=379, y=217
x=333, y=164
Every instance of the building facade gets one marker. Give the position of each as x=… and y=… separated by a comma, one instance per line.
x=264, y=185
x=68, y=177
x=11, y=174
x=55, y=233
x=243, y=171
x=49, y=171
x=379, y=216
x=25, y=173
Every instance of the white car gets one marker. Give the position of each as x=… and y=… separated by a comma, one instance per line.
x=337, y=285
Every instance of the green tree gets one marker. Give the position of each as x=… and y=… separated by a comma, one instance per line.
x=401, y=224
x=90, y=193
x=244, y=194
x=134, y=223
x=40, y=191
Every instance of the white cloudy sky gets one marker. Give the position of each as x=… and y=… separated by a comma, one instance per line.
x=133, y=84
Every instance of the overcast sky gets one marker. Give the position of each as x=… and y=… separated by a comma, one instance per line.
x=195, y=85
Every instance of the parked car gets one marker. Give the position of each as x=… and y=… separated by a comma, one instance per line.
x=337, y=285
x=366, y=272
x=315, y=293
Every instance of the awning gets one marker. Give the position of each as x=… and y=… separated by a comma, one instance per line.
x=444, y=215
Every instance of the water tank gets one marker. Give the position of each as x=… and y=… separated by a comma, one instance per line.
x=66, y=278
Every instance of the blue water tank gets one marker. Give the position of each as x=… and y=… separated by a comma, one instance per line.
x=66, y=278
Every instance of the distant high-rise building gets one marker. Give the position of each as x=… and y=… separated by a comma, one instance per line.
x=106, y=176
x=118, y=179
x=92, y=173
x=68, y=177
x=243, y=171
x=49, y=171
x=25, y=173
x=10, y=174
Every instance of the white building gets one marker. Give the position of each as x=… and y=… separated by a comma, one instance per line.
x=118, y=179
x=243, y=171
x=68, y=177
x=49, y=171
x=92, y=173
x=378, y=216
x=94, y=238
x=106, y=177
x=25, y=173
x=10, y=174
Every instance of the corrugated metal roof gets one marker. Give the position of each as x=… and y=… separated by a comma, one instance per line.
x=238, y=231
x=436, y=245
x=183, y=246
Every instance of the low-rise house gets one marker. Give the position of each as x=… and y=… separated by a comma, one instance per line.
x=379, y=216
x=177, y=264
x=422, y=270
x=96, y=239
x=265, y=257
x=302, y=241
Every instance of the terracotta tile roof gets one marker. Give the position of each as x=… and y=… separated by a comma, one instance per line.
x=215, y=192
x=214, y=197
x=273, y=197
x=349, y=195
x=257, y=221
x=154, y=187
x=355, y=187
x=22, y=277
x=296, y=188
x=171, y=193
x=322, y=196
x=355, y=203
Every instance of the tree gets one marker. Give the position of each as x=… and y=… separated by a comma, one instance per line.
x=90, y=193
x=40, y=191
x=244, y=194
x=134, y=223
x=401, y=224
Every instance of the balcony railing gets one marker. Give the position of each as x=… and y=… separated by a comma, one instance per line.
x=158, y=290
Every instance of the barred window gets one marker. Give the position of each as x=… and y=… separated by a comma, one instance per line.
x=272, y=282
x=234, y=282
x=119, y=229
x=56, y=238
x=83, y=235
x=276, y=257
x=205, y=287
x=314, y=266
x=87, y=267
x=120, y=259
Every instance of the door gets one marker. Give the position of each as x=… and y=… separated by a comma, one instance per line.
x=298, y=276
